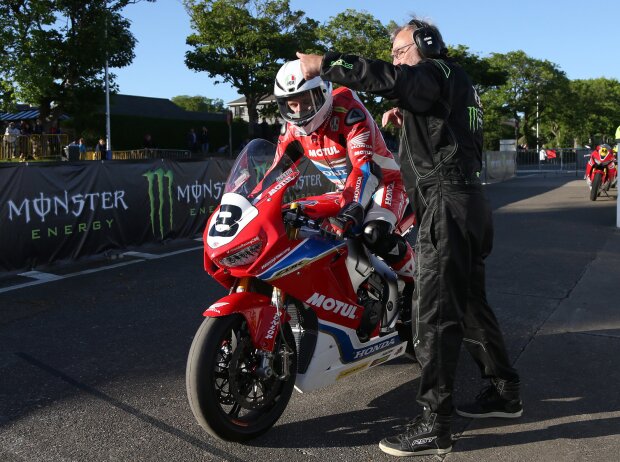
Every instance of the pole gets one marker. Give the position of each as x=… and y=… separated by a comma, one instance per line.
x=229, y=121
x=108, y=136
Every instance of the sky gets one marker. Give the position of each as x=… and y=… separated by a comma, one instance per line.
x=578, y=36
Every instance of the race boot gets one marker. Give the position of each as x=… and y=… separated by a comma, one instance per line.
x=500, y=399
x=404, y=267
x=427, y=434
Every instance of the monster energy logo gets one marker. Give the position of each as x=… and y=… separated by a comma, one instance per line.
x=475, y=118
x=261, y=170
x=155, y=179
x=342, y=63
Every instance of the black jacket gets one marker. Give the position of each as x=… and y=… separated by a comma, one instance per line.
x=441, y=139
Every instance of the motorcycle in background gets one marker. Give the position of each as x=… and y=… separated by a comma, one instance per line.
x=601, y=171
x=303, y=311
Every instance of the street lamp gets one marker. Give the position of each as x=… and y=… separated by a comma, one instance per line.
x=108, y=136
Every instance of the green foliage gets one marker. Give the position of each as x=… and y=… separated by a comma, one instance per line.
x=532, y=87
x=54, y=52
x=484, y=76
x=362, y=34
x=243, y=42
x=199, y=103
x=594, y=113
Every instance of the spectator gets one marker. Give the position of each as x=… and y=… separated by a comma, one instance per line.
x=10, y=140
x=265, y=130
x=100, y=149
x=192, y=140
x=82, y=146
x=23, y=145
x=38, y=128
x=204, y=140
x=148, y=141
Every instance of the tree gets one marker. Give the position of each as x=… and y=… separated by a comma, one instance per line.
x=55, y=51
x=593, y=110
x=533, y=87
x=199, y=103
x=244, y=42
x=362, y=34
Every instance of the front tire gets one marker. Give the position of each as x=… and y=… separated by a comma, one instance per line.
x=596, y=184
x=228, y=398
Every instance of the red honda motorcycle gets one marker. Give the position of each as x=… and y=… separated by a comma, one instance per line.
x=601, y=172
x=303, y=311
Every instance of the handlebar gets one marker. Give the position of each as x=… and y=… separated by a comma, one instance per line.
x=295, y=219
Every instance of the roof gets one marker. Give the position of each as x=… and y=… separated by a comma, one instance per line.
x=130, y=105
x=242, y=101
x=160, y=108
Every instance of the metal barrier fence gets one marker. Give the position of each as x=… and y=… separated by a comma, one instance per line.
x=171, y=154
x=552, y=160
x=32, y=146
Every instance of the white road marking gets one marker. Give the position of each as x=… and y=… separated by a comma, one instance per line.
x=43, y=278
x=39, y=276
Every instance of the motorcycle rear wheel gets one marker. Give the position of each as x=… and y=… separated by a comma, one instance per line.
x=596, y=184
x=227, y=397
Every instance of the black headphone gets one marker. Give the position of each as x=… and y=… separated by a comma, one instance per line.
x=427, y=39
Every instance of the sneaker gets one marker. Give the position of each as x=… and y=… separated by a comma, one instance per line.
x=500, y=399
x=427, y=434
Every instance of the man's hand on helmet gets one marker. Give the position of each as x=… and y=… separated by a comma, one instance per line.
x=350, y=216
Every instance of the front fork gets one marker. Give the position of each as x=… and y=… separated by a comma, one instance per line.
x=266, y=370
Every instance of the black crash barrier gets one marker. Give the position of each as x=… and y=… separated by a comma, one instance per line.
x=67, y=210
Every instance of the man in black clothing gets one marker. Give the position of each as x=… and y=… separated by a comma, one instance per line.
x=440, y=153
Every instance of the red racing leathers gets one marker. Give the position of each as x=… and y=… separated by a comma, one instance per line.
x=343, y=148
x=608, y=160
x=349, y=150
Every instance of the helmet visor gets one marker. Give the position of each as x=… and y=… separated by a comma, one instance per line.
x=301, y=107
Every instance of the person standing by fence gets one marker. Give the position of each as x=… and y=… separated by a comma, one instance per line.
x=10, y=140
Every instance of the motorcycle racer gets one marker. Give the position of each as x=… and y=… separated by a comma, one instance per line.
x=342, y=140
x=603, y=153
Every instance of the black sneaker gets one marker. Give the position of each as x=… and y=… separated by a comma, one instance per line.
x=427, y=434
x=500, y=399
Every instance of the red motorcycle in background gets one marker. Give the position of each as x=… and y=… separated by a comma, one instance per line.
x=303, y=311
x=601, y=171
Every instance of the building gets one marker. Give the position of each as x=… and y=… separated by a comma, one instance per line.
x=239, y=108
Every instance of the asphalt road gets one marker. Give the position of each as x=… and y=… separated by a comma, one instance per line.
x=92, y=365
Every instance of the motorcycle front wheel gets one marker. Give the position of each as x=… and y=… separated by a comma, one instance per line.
x=596, y=184
x=228, y=396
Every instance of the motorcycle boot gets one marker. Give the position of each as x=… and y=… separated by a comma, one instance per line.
x=428, y=434
x=500, y=399
x=403, y=265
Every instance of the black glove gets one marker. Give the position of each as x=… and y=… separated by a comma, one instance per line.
x=350, y=216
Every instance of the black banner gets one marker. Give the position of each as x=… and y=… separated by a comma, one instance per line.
x=58, y=211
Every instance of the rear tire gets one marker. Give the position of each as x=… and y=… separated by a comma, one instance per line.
x=596, y=184
x=228, y=399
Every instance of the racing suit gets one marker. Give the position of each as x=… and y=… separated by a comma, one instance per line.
x=349, y=150
x=440, y=157
x=612, y=172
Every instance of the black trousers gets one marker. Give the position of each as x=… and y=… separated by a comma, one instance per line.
x=455, y=236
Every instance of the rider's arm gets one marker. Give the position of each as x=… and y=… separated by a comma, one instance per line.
x=362, y=181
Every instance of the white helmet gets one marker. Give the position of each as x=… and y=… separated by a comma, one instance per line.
x=314, y=96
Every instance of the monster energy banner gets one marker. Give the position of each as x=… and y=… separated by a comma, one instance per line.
x=61, y=211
